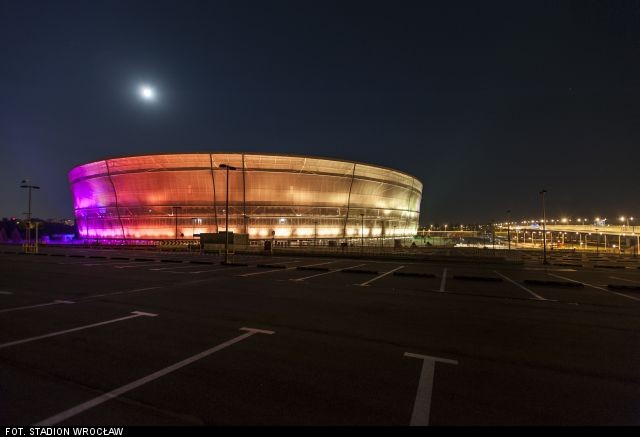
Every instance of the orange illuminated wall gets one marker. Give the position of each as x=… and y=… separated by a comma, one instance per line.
x=295, y=197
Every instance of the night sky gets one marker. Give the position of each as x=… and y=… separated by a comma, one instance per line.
x=486, y=103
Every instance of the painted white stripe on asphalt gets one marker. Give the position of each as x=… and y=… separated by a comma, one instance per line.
x=443, y=282
x=53, y=420
x=422, y=406
x=55, y=302
x=366, y=284
x=596, y=287
x=6, y=292
x=288, y=268
x=133, y=315
x=626, y=280
x=121, y=292
x=327, y=273
x=537, y=296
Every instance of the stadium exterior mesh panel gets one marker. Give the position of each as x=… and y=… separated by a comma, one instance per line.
x=177, y=196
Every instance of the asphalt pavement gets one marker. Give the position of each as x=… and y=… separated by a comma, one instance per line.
x=131, y=338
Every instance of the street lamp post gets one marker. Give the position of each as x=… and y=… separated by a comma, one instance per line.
x=226, y=226
x=619, y=243
x=193, y=231
x=509, y=228
x=26, y=184
x=544, y=229
x=362, y=232
x=315, y=232
x=175, y=210
x=493, y=236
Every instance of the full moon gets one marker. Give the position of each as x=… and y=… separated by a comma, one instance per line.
x=147, y=93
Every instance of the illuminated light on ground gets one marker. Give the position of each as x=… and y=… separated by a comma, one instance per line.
x=283, y=232
x=329, y=232
x=304, y=232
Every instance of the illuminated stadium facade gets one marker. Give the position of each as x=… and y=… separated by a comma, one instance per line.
x=286, y=197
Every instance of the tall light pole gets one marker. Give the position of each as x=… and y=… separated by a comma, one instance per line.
x=544, y=229
x=509, y=227
x=315, y=232
x=175, y=210
x=193, y=232
x=362, y=233
x=25, y=184
x=226, y=226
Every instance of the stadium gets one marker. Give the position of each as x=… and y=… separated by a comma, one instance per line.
x=295, y=199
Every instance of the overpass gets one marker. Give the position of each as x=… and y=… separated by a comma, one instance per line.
x=614, y=238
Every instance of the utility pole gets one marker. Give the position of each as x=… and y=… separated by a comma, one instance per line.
x=544, y=229
x=226, y=227
x=26, y=184
x=175, y=213
x=315, y=232
x=362, y=233
x=509, y=228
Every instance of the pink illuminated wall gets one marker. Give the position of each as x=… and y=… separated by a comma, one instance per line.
x=145, y=197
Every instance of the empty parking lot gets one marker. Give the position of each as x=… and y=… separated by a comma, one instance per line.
x=117, y=337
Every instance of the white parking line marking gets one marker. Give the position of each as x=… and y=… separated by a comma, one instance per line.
x=366, y=284
x=596, y=287
x=443, y=282
x=6, y=292
x=327, y=273
x=537, y=296
x=626, y=280
x=142, y=381
x=281, y=270
x=55, y=302
x=422, y=405
x=121, y=292
x=133, y=315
